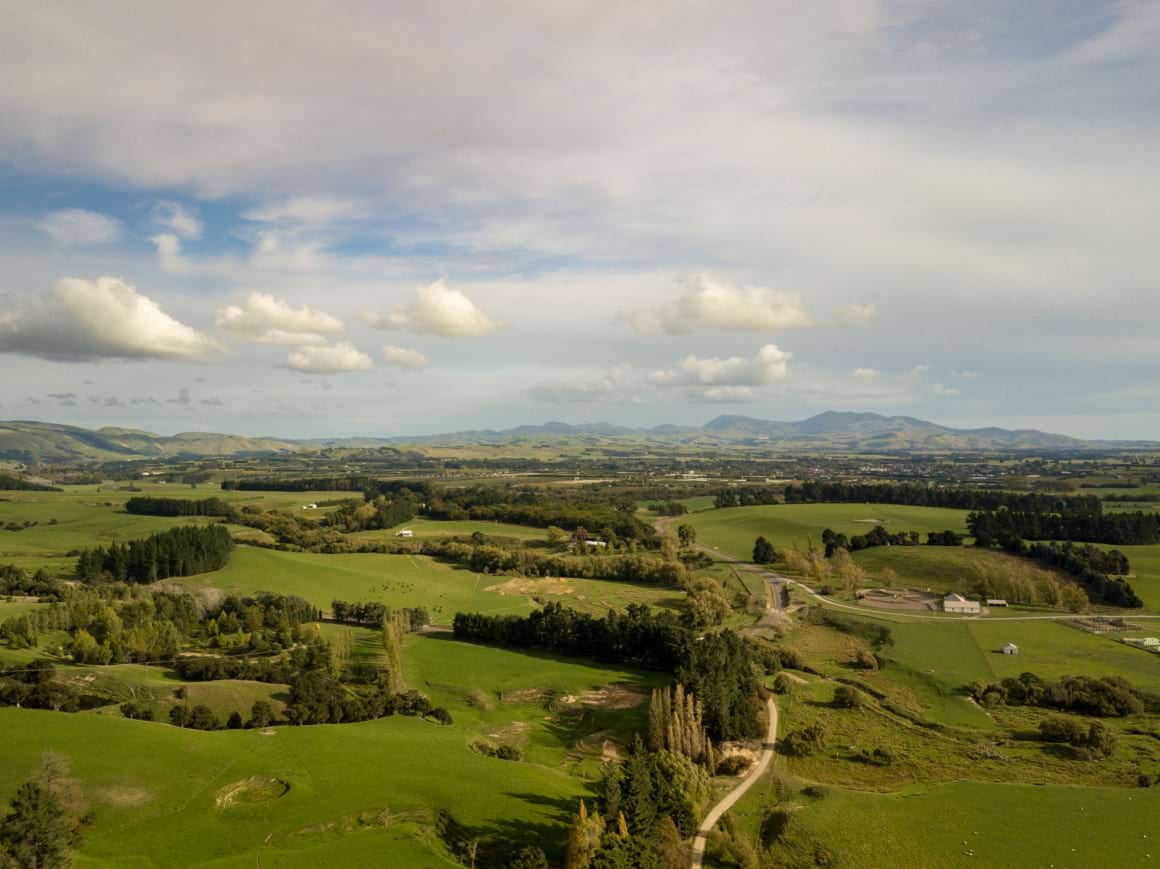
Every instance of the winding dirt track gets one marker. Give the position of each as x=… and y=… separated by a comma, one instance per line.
x=738, y=792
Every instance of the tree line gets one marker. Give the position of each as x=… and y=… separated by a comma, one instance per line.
x=11, y=483
x=184, y=551
x=146, y=505
x=1118, y=529
x=1101, y=697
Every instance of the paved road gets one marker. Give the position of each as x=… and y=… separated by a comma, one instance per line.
x=738, y=792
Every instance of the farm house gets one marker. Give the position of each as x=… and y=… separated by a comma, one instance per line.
x=1010, y=649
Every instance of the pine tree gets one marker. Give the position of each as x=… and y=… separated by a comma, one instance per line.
x=37, y=833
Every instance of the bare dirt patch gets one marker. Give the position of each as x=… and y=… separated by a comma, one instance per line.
x=255, y=789
x=615, y=696
x=893, y=598
x=124, y=796
x=525, y=695
x=524, y=585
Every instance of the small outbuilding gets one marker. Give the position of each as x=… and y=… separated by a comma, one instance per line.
x=956, y=603
x=406, y=532
x=309, y=506
x=1010, y=649
x=996, y=601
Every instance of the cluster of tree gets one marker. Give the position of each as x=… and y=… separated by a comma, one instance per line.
x=708, y=604
x=675, y=724
x=1016, y=581
x=748, y=496
x=374, y=515
x=375, y=615
x=1093, y=740
x=1145, y=497
x=720, y=670
x=11, y=483
x=668, y=508
x=182, y=551
x=1088, y=563
x=529, y=562
x=34, y=687
x=378, y=488
x=646, y=807
x=145, y=505
x=1119, y=529
x=636, y=636
x=613, y=516
x=1103, y=697
x=20, y=632
x=876, y=536
x=313, y=654
x=16, y=580
x=38, y=831
x=763, y=551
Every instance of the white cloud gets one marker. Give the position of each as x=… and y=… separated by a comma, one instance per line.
x=710, y=302
x=915, y=374
x=866, y=373
x=965, y=375
x=178, y=219
x=288, y=250
x=405, y=358
x=81, y=319
x=946, y=391
x=437, y=310
x=856, y=315
x=308, y=209
x=78, y=226
x=169, y=256
x=718, y=380
x=770, y=364
x=264, y=319
x=337, y=359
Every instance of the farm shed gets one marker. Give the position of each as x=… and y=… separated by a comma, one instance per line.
x=956, y=603
x=1010, y=649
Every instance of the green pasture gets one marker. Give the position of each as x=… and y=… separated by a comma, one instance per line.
x=453, y=528
x=1052, y=650
x=156, y=790
x=973, y=824
x=412, y=581
x=939, y=568
x=733, y=529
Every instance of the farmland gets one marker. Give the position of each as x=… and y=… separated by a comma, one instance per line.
x=733, y=529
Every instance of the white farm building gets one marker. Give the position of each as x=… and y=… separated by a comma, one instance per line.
x=406, y=532
x=956, y=603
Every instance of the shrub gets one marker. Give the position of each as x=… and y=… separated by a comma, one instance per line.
x=1059, y=728
x=847, y=697
x=805, y=741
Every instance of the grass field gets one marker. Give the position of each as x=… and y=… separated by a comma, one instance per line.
x=733, y=529
x=435, y=528
x=939, y=568
x=1051, y=650
x=972, y=824
x=409, y=581
x=156, y=790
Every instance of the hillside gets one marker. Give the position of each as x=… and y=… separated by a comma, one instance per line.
x=39, y=442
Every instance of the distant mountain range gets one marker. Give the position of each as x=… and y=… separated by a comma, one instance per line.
x=849, y=432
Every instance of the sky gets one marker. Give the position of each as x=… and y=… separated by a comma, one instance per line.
x=363, y=218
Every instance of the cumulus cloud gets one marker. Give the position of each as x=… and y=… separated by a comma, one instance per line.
x=178, y=219
x=308, y=209
x=856, y=315
x=287, y=250
x=945, y=391
x=715, y=379
x=866, y=373
x=336, y=359
x=770, y=364
x=710, y=302
x=78, y=226
x=405, y=358
x=437, y=310
x=106, y=318
x=264, y=319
